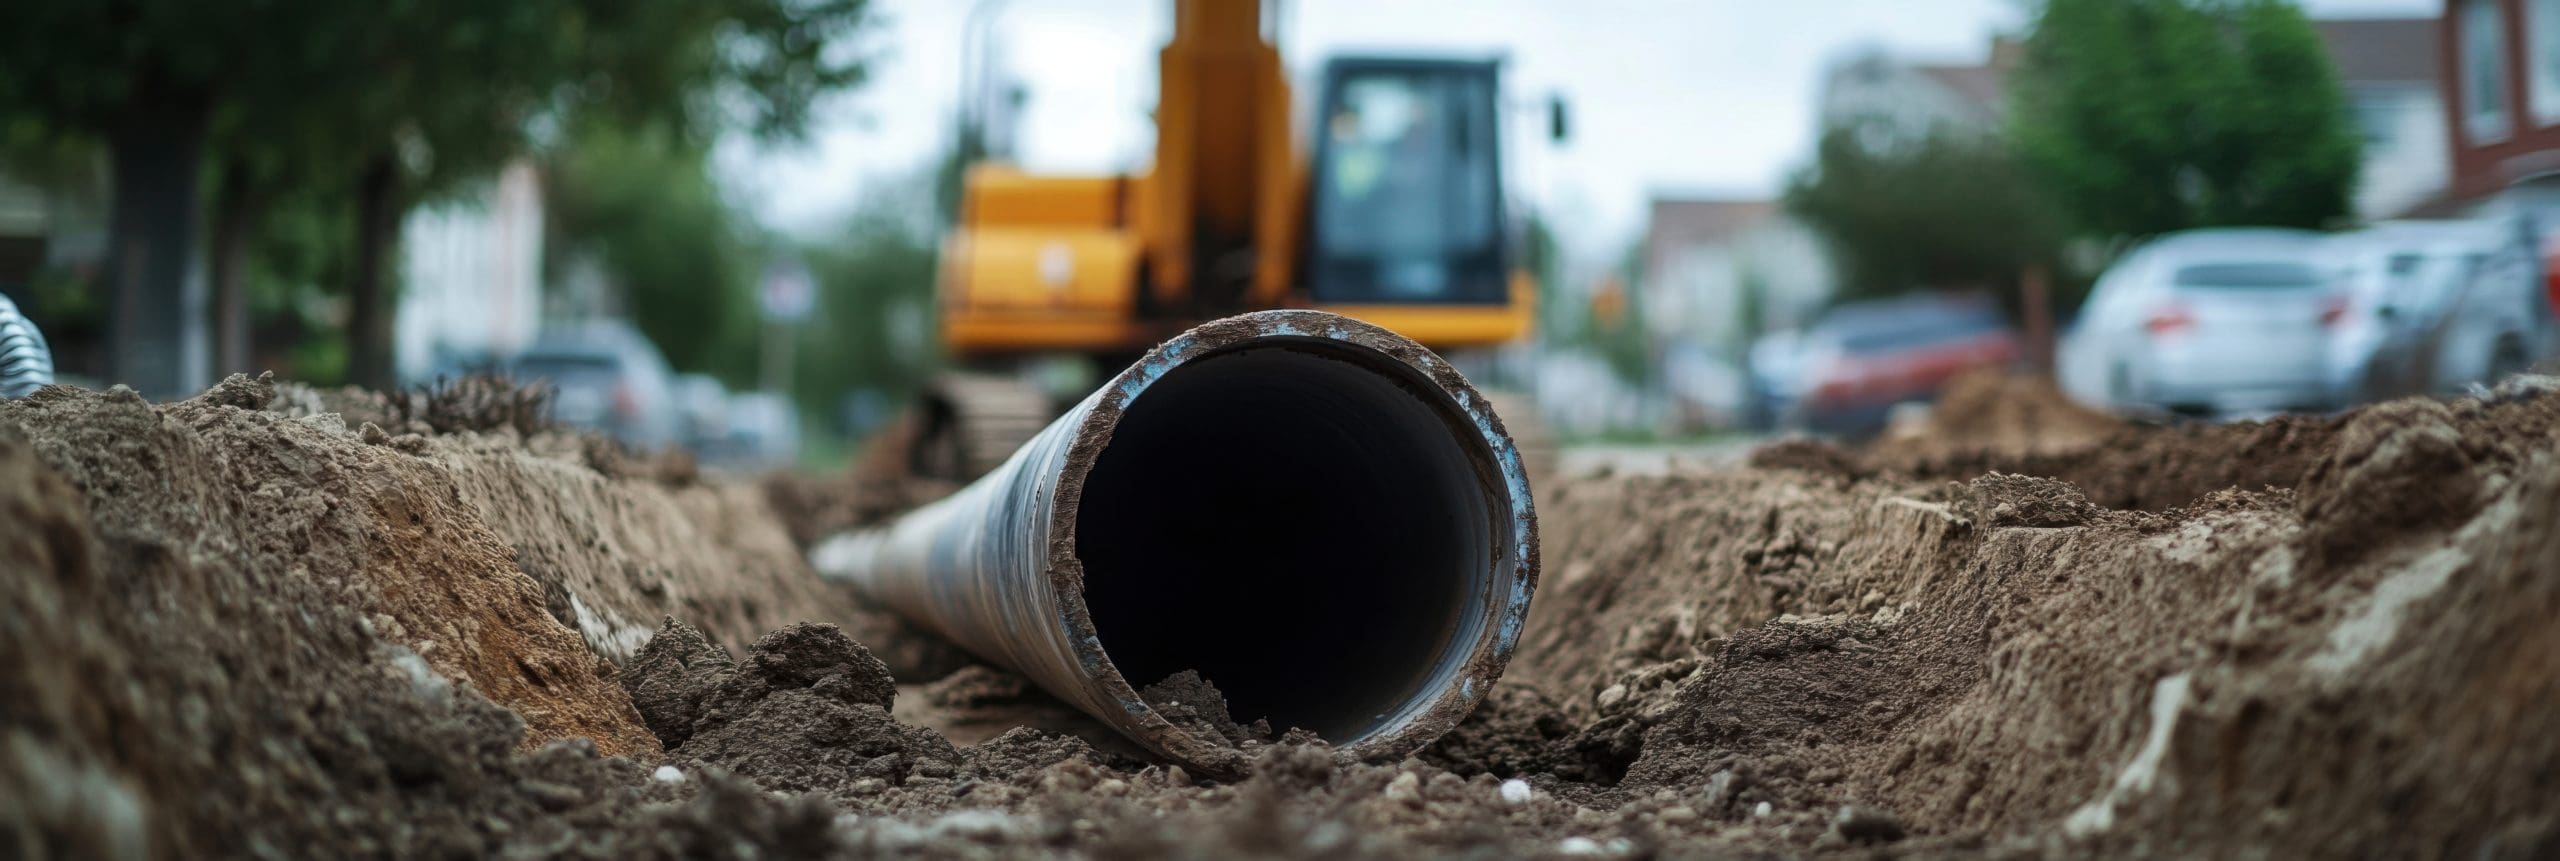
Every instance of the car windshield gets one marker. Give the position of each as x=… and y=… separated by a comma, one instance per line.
x=2267, y=275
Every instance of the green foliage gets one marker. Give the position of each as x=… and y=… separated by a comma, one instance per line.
x=297, y=99
x=644, y=208
x=1946, y=210
x=2148, y=116
x=873, y=330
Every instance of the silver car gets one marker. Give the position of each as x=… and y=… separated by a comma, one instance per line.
x=605, y=376
x=2496, y=321
x=2212, y=322
x=2404, y=283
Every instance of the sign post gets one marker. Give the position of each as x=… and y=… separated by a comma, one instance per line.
x=786, y=294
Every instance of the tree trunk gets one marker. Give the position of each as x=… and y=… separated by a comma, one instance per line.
x=155, y=329
x=236, y=217
x=2035, y=304
x=369, y=310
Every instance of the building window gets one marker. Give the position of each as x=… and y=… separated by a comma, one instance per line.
x=2542, y=22
x=2484, y=72
x=2378, y=119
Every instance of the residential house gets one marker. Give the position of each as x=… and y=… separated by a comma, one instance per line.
x=2388, y=67
x=1719, y=272
x=1885, y=95
x=471, y=277
x=2500, y=63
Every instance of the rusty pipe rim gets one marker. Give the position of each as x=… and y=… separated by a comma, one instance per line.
x=1472, y=660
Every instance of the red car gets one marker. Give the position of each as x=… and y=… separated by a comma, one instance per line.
x=1863, y=359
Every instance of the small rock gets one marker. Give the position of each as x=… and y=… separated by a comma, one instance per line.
x=554, y=796
x=1763, y=810
x=1515, y=791
x=1678, y=816
x=1405, y=789
x=1857, y=824
x=668, y=774
x=1720, y=789
x=1579, y=846
x=1612, y=695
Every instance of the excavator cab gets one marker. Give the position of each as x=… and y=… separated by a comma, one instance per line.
x=1405, y=204
x=1385, y=204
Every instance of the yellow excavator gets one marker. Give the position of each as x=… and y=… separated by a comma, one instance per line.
x=1393, y=213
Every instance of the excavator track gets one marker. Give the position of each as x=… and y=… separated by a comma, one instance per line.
x=971, y=422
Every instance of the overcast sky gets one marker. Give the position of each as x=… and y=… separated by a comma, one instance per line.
x=1668, y=96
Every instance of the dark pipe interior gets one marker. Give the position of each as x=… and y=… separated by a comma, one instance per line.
x=1295, y=522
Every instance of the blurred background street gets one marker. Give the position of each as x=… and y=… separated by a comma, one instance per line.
x=731, y=226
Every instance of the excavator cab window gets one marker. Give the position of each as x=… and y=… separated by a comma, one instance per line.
x=1407, y=198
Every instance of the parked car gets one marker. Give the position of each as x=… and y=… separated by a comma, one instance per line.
x=606, y=376
x=702, y=414
x=2402, y=285
x=2213, y=321
x=1861, y=360
x=1775, y=374
x=2498, y=322
x=764, y=429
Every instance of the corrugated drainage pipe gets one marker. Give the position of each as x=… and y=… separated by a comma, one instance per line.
x=26, y=364
x=1320, y=517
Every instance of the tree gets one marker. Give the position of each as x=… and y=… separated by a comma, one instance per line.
x=643, y=207
x=392, y=102
x=1947, y=209
x=2148, y=116
x=874, y=322
x=142, y=78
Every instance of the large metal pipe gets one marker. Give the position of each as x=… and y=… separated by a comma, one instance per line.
x=1320, y=517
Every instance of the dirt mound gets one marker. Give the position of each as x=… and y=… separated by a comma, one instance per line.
x=2005, y=413
x=879, y=485
x=808, y=711
x=1979, y=429
x=308, y=499
x=235, y=626
x=2003, y=663
x=209, y=650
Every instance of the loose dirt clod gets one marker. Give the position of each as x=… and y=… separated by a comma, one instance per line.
x=1196, y=705
x=245, y=624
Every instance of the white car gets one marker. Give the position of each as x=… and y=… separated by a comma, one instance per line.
x=2212, y=322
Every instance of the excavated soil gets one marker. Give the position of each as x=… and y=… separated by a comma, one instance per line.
x=273, y=621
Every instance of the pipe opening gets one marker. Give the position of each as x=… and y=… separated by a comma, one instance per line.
x=1294, y=520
